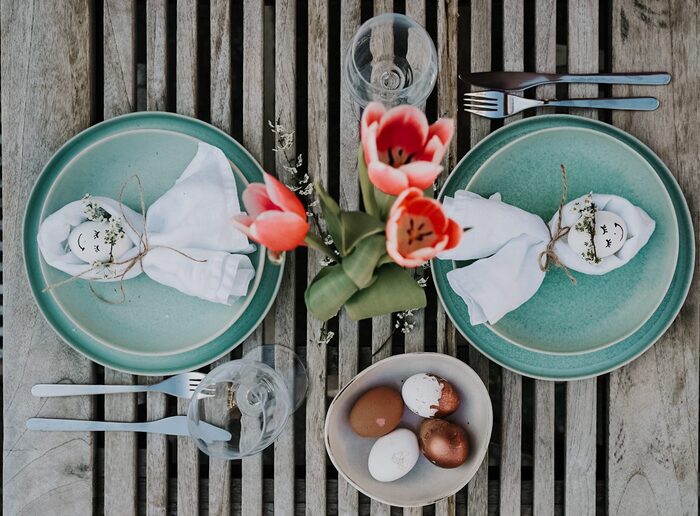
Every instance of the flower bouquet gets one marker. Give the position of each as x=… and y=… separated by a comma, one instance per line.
x=368, y=252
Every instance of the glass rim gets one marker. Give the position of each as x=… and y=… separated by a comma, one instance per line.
x=350, y=53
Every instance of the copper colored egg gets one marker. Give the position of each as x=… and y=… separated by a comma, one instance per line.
x=429, y=395
x=377, y=412
x=449, y=401
x=443, y=443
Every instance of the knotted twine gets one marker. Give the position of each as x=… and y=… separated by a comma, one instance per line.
x=143, y=246
x=548, y=255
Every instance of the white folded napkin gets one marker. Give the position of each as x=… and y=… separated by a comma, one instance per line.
x=507, y=243
x=190, y=222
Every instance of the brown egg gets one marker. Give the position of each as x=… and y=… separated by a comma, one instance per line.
x=377, y=412
x=443, y=443
x=449, y=401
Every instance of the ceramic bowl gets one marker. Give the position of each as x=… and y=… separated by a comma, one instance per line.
x=425, y=483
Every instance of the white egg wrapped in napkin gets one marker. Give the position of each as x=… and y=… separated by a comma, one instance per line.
x=192, y=245
x=507, y=244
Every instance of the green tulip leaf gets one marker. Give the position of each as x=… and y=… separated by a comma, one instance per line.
x=328, y=292
x=356, y=226
x=360, y=265
x=394, y=290
x=366, y=185
x=384, y=203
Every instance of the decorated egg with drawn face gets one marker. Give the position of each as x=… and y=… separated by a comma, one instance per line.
x=610, y=235
x=87, y=242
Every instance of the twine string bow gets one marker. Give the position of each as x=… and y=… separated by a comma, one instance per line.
x=548, y=255
x=143, y=249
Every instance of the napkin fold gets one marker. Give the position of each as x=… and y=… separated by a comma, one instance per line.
x=192, y=245
x=506, y=243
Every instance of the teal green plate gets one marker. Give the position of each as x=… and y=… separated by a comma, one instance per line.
x=157, y=330
x=562, y=364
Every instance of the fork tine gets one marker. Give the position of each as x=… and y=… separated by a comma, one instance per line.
x=481, y=102
x=481, y=94
x=480, y=107
x=487, y=114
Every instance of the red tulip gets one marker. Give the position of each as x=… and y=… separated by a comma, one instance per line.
x=401, y=149
x=276, y=217
x=418, y=229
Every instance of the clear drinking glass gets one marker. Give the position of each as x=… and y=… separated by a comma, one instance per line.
x=253, y=399
x=390, y=59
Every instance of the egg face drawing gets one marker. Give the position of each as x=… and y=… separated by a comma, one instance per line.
x=87, y=242
x=610, y=235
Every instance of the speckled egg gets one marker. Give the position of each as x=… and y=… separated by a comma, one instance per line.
x=393, y=455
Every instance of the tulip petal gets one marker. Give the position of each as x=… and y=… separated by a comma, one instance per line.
x=283, y=196
x=256, y=200
x=372, y=114
x=433, y=152
x=454, y=232
x=403, y=127
x=444, y=129
x=388, y=179
x=421, y=174
x=279, y=231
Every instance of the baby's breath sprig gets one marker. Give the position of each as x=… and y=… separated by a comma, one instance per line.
x=326, y=336
x=94, y=211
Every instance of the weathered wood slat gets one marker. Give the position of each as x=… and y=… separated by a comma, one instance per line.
x=253, y=123
x=317, y=165
x=285, y=308
x=480, y=59
x=186, y=104
x=511, y=383
x=156, y=408
x=46, y=85
x=581, y=395
x=119, y=90
x=220, y=114
x=653, y=408
x=348, y=330
x=543, y=493
x=447, y=46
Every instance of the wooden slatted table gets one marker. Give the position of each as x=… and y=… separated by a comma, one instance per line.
x=625, y=443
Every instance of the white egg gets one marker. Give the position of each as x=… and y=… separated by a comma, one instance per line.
x=393, y=455
x=610, y=235
x=86, y=241
x=421, y=393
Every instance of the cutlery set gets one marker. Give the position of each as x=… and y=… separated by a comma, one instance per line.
x=181, y=386
x=501, y=101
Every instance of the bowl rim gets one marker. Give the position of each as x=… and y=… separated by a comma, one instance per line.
x=480, y=453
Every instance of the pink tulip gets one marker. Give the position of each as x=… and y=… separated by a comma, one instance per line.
x=401, y=149
x=276, y=217
x=418, y=229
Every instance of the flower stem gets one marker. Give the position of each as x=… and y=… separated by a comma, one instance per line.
x=314, y=241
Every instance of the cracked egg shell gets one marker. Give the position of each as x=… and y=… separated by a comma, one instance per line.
x=377, y=412
x=428, y=395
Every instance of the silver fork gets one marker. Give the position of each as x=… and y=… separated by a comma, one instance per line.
x=183, y=386
x=498, y=104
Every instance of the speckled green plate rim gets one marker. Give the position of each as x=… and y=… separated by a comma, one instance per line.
x=571, y=367
x=191, y=359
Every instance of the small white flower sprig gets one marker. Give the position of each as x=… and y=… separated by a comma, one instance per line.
x=586, y=224
x=114, y=232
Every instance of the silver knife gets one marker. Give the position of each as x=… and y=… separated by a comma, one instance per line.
x=519, y=81
x=175, y=425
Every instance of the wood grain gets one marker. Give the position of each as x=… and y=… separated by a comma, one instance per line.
x=156, y=407
x=119, y=91
x=543, y=475
x=186, y=102
x=45, y=101
x=653, y=408
x=479, y=127
x=285, y=307
x=349, y=199
x=220, y=77
x=317, y=164
x=580, y=468
x=511, y=383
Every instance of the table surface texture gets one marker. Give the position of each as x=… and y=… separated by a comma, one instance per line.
x=625, y=443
